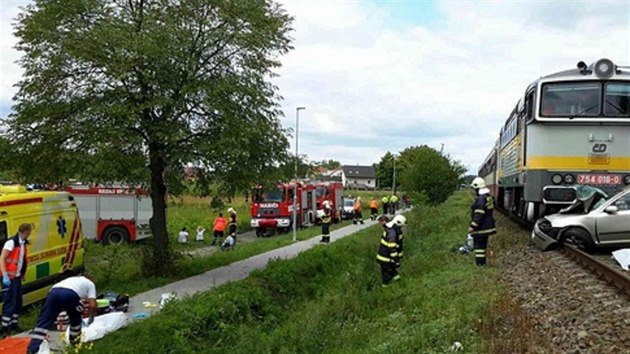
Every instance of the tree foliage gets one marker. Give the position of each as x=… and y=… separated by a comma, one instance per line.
x=385, y=171
x=134, y=90
x=424, y=170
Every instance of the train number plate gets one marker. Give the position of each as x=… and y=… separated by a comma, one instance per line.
x=599, y=179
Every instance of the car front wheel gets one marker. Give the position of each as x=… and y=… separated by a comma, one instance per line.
x=579, y=238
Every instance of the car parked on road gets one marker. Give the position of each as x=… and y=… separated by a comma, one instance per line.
x=592, y=221
x=347, y=211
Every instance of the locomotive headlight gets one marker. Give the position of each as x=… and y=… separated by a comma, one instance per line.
x=604, y=68
x=556, y=179
x=569, y=179
x=626, y=179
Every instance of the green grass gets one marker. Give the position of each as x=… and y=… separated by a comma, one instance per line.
x=329, y=300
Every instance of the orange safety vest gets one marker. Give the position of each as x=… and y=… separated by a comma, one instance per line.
x=11, y=261
x=219, y=224
x=374, y=204
x=357, y=206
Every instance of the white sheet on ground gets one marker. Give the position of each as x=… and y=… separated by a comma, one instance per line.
x=623, y=257
x=44, y=348
x=102, y=325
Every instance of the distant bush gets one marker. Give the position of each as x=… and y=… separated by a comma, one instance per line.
x=427, y=171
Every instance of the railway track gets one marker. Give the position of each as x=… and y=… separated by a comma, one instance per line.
x=600, y=264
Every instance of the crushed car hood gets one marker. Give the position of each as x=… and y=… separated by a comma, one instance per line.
x=588, y=198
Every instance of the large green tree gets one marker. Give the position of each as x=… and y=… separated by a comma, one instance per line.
x=425, y=170
x=134, y=90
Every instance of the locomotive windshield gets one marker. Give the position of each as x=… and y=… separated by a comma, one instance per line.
x=584, y=99
x=617, y=98
x=571, y=99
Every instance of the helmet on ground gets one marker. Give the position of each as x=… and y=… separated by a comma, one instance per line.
x=399, y=220
x=478, y=183
x=231, y=211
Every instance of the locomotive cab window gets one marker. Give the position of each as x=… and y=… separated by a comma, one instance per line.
x=616, y=99
x=571, y=99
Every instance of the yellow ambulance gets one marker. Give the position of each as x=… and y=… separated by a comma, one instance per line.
x=56, y=243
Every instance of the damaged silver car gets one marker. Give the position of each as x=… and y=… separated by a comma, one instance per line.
x=593, y=220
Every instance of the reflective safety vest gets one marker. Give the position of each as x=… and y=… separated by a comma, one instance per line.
x=482, y=219
x=388, y=248
x=219, y=224
x=385, y=200
x=12, y=260
x=326, y=218
x=357, y=206
x=232, y=224
x=374, y=204
x=393, y=199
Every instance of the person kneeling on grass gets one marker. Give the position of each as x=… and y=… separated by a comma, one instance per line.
x=67, y=295
x=229, y=243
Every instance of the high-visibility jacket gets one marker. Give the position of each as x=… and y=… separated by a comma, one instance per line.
x=374, y=204
x=219, y=224
x=399, y=243
x=232, y=224
x=12, y=260
x=357, y=206
x=482, y=219
x=393, y=199
x=385, y=200
x=327, y=217
x=388, y=248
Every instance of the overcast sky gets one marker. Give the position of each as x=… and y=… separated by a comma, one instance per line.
x=379, y=76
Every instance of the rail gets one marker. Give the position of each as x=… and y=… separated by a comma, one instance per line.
x=611, y=275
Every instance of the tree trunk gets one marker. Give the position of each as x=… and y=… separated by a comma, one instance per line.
x=162, y=257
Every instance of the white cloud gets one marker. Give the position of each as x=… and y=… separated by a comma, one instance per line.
x=371, y=83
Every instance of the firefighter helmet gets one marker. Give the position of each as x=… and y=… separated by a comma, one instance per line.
x=399, y=220
x=478, y=183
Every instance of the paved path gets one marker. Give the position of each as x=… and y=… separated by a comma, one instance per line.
x=233, y=272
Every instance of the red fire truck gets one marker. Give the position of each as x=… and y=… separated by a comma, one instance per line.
x=271, y=209
x=113, y=214
x=332, y=192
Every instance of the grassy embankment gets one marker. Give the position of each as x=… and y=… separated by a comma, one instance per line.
x=329, y=299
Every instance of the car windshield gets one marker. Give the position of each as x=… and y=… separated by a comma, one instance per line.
x=348, y=202
x=571, y=99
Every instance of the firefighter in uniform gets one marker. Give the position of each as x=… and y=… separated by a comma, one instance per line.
x=373, y=208
x=387, y=255
x=67, y=295
x=326, y=219
x=232, y=223
x=13, y=264
x=399, y=222
x=385, y=202
x=393, y=203
x=482, y=221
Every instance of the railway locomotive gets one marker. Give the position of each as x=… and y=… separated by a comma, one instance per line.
x=569, y=128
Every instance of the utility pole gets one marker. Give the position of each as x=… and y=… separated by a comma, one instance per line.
x=297, y=132
x=394, y=182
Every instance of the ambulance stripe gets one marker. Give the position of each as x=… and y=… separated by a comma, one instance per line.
x=75, y=239
x=71, y=250
x=21, y=201
x=73, y=246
